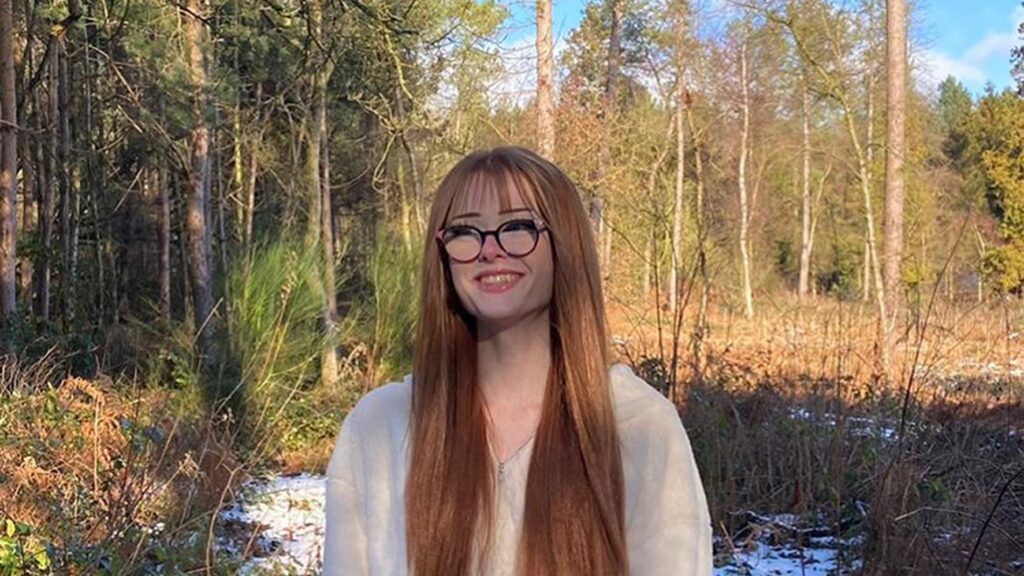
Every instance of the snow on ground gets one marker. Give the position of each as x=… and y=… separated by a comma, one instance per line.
x=277, y=526
x=764, y=560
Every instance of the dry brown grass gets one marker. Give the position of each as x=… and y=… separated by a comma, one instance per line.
x=792, y=413
x=92, y=468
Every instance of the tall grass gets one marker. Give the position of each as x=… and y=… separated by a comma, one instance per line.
x=275, y=343
x=389, y=315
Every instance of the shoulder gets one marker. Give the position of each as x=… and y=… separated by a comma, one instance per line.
x=650, y=430
x=638, y=406
x=376, y=428
x=383, y=409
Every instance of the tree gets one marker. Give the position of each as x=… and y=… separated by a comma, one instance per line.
x=198, y=182
x=1017, y=59
x=806, y=206
x=545, y=82
x=681, y=95
x=8, y=161
x=954, y=110
x=895, y=152
x=997, y=142
x=744, y=227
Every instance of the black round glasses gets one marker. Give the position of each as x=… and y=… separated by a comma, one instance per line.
x=517, y=238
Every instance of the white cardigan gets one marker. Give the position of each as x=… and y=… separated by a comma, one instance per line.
x=668, y=529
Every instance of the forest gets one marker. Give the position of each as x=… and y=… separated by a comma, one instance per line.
x=212, y=215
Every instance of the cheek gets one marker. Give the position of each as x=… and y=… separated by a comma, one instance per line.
x=461, y=279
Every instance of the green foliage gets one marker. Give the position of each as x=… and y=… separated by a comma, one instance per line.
x=21, y=551
x=389, y=315
x=276, y=338
x=997, y=142
x=954, y=110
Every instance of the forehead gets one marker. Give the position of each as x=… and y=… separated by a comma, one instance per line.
x=492, y=193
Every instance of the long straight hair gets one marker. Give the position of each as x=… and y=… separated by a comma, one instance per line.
x=573, y=517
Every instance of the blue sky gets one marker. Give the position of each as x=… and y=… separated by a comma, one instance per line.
x=970, y=39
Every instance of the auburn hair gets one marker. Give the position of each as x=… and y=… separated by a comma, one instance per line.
x=573, y=521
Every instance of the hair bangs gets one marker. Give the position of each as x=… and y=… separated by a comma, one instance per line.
x=490, y=177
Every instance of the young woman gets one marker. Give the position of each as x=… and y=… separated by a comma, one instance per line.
x=513, y=448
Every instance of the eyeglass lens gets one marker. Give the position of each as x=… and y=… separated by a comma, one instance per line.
x=516, y=237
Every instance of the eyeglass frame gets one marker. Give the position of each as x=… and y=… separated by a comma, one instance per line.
x=541, y=228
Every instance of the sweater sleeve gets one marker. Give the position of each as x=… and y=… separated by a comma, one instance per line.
x=670, y=530
x=346, y=551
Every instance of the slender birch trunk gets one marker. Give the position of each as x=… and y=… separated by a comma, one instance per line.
x=545, y=82
x=677, y=209
x=700, y=331
x=748, y=299
x=806, y=232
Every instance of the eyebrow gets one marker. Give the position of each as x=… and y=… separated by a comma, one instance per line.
x=477, y=214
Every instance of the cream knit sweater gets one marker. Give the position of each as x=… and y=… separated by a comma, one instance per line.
x=668, y=530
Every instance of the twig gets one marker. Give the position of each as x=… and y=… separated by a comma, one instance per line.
x=988, y=520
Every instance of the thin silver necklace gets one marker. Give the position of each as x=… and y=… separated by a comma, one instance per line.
x=494, y=453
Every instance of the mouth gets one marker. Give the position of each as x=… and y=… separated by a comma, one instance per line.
x=497, y=281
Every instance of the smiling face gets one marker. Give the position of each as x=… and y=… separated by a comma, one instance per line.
x=500, y=289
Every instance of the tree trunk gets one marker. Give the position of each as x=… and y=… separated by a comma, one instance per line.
x=161, y=184
x=677, y=209
x=68, y=197
x=329, y=366
x=610, y=106
x=545, y=82
x=318, y=174
x=8, y=162
x=895, y=151
x=28, y=219
x=700, y=330
x=871, y=252
x=47, y=189
x=198, y=178
x=748, y=299
x=250, y=189
x=408, y=204
x=806, y=233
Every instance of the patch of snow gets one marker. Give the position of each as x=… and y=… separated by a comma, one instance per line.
x=762, y=559
x=277, y=527
x=278, y=524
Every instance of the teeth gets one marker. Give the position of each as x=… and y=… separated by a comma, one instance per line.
x=498, y=279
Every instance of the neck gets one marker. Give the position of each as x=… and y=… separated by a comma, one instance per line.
x=513, y=361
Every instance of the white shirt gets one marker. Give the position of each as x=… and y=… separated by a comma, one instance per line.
x=668, y=529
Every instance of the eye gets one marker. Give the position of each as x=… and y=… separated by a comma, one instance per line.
x=519, y=226
x=459, y=231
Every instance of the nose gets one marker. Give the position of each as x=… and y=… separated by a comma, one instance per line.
x=490, y=249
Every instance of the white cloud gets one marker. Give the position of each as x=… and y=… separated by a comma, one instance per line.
x=993, y=45
x=969, y=67
x=936, y=65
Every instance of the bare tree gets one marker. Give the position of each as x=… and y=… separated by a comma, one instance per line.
x=806, y=238
x=748, y=298
x=611, y=91
x=545, y=82
x=680, y=112
x=895, y=151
